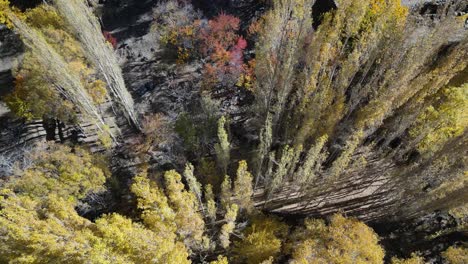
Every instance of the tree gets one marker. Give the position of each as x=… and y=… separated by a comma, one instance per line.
x=4, y=7
x=156, y=214
x=342, y=241
x=216, y=41
x=261, y=240
x=229, y=226
x=140, y=245
x=194, y=186
x=211, y=207
x=185, y=127
x=415, y=259
x=223, y=147
x=59, y=170
x=190, y=224
x=436, y=125
x=243, y=190
x=220, y=260
x=341, y=103
x=32, y=97
x=456, y=255
x=54, y=78
x=226, y=192
x=41, y=225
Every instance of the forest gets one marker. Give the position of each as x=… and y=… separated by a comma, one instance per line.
x=234, y=131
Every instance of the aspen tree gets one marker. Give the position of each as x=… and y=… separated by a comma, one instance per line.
x=415, y=259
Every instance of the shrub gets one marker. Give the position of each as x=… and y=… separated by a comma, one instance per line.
x=110, y=39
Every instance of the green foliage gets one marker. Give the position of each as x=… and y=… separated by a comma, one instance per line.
x=209, y=174
x=200, y=127
x=186, y=129
x=261, y=240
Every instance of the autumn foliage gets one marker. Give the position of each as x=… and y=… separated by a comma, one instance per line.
x=111, y=39
x=218, y=43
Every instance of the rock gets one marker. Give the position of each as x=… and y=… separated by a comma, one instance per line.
x=430, y=234
x=11, y=49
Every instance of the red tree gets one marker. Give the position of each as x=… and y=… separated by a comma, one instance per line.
x=111, y=39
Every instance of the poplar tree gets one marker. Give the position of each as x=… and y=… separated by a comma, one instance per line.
x=223, y=147
x=190, y=223
x=243, y=189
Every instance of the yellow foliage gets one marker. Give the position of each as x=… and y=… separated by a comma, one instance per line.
x=190, y=224
x=40, y=225
x=140, y=245
x=456, y=255
x=44, y=16
x=343, y=241
x=261, y=240
x=157, y=214
x=228, y=227
x=105, y=137
x=4, y=8
x=98, y=92
x=63, y=172
x=243, y=189
x=34, y=95
x=210, y=203
x=220, y=260
x=447, y=120
x=415, y=259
